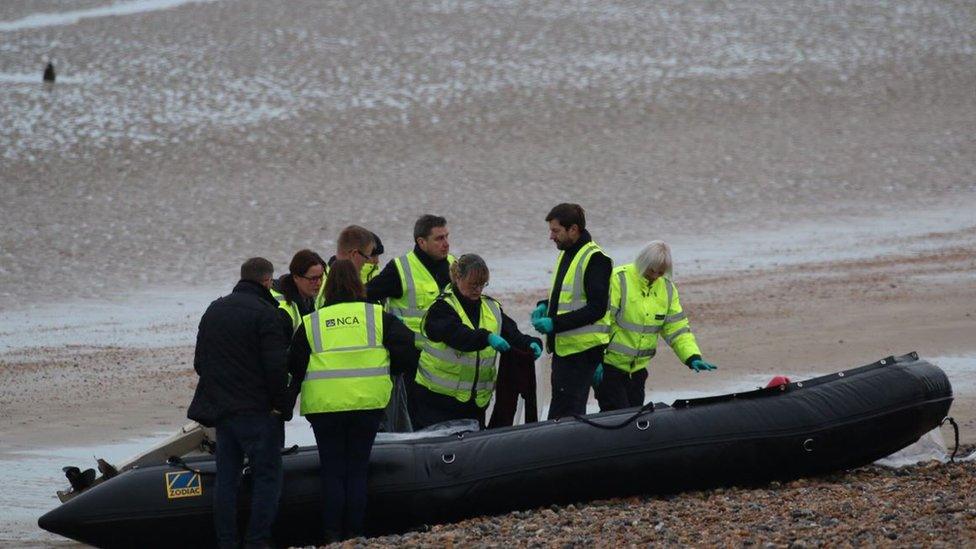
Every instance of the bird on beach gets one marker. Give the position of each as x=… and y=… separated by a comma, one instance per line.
x=49, y=74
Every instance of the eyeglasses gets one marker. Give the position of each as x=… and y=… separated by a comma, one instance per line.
x=312, y=278
x=473, y=286
x=364, y=256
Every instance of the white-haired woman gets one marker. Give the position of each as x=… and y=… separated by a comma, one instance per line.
x=643, y=305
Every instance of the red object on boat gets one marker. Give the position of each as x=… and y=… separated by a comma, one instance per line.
x=777, y=381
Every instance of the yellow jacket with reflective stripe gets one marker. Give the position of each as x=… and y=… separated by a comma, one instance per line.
x=640, y=311
x=572, y=296
x=348, y=368
x=419, y=292
x=450, y=372
x=320, y=297
x=368, y=271
x=290, y=308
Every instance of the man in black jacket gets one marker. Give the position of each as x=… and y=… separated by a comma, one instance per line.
x=574, y=319
x=411, y=283
x=241, y=356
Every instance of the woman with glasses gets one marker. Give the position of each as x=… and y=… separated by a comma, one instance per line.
x=296, y=290
x=465, y=331
x=342, y=360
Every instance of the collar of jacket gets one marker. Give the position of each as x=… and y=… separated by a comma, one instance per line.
x=428, y=261
x=248, y=287
x=471, y=307
x=583, y=240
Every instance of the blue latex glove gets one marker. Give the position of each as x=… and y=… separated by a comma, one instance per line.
x=597, y=375
x=700, y=365
x=543, y=325
x=498, y=343
x=536, y=349
x=539, y=311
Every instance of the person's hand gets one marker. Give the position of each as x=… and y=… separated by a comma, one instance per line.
x=543, y=325
x=498, y=343
x=536, y=349
x=539, y=311
x=700, y=365
x=597, y=375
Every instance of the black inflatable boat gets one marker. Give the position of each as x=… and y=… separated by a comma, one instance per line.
x=829, y=423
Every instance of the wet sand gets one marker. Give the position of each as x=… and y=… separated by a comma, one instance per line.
x=814, y=167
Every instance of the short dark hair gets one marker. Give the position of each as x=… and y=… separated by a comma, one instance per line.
x=343, y=283
x=425, y=225
x=303, y=260
x=256, y=269
x=567, y=215
x=353, y=237
x=377, y=245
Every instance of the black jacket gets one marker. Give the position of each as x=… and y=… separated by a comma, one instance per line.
x=596, y=283
x=240, y=357
x=397, y=338
x=387, y=284
x=443, y=325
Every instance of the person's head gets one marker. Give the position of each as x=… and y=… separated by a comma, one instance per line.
x=355, y=244
x=374, y=258
x=566, y=224
x=307, y=270
x=343, y=283
x=430, y=234
x=258, y=270
x=469, y=274
x=654, y=260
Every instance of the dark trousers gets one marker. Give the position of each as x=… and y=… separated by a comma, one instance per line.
x=516, y=377
x=572, y=376
x=434, y=408
x=620, y=390
x=345, y=440
x=256, y=436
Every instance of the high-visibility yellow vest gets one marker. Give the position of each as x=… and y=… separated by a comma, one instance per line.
x=291, y=308
x=320, y=297
x=572, y=296
x=348, y=368
x=641, y=311
x=450, y=372
x=420, y=290
x=368, y=271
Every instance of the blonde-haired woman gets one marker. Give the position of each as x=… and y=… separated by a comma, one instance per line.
x=643, y=306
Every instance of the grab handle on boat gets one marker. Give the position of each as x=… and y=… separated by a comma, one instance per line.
x=177, y=461
x=448, y=458
x=649, y=407
x=808, y=445
x=643, y=424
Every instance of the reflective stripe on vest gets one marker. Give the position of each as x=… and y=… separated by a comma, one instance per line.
x=348, y=368
x=420, y=290
x=449, y=372
x=639, y=318
x=572, y=297
x=320, y=297
x=291, y=308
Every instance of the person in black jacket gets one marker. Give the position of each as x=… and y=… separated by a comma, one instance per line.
x=240, y=356
x=443, y=324
x=574, y=363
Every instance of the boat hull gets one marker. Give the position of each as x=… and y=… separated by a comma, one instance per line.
x=832, y=423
